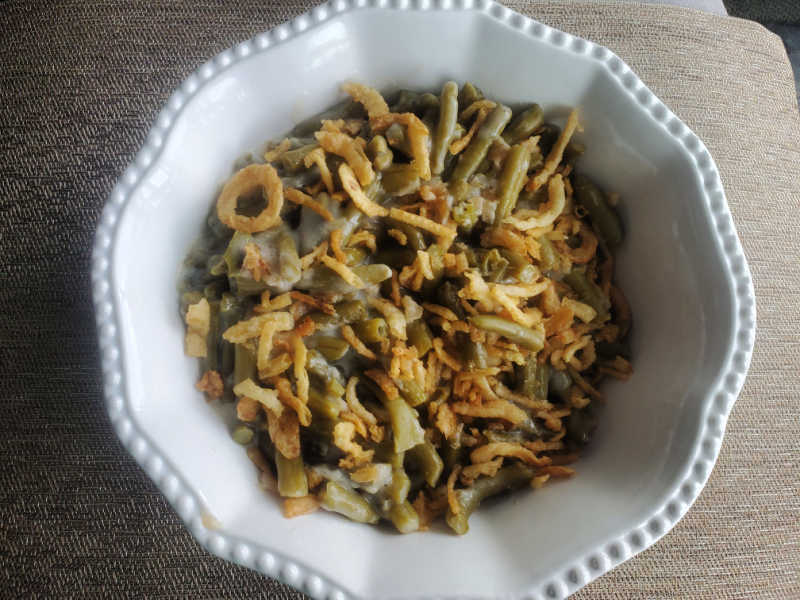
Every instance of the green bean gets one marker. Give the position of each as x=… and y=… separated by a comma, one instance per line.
x=244, y=364
x=230, y=313
x=404, y=101
x=445, y=128
x=492, y=264
x=472, y=156
x=332, y=348
x=474, y=353
x=415, y=239
x=406, y=429
x=354, y=256
x=292, y=160
x=436, y=255
x=216, y=265
x=519, y=267
x=292, y=482
x=469, y=498
x=524, y=124
x=289, y=261
x=404, y=517
x=400, y=180
x=548, y=260
x=396, y=257
x=380, y=153
x=401, y=484
x=605, y=220
x=396, y=136
x=559, y=384
x=589, y=292
x=465, y=213
x=532, y=339
x=323, y=320
x=512, y=178
x=374, y=273
x=371, y=331
x=323, y=405
x=532, y=378
x=351, y=310
x=447, y=295
x=242, y=434
x=411, y=391
x=420, y=336
x=454, y=454
x=468, y=94
x=428, y=101
x=430, y=463
x=346, y=109
x=211, y=360
x=348, y=503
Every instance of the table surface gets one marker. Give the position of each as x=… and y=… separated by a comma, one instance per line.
x=80, y=84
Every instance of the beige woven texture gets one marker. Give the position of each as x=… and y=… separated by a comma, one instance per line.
x=80, y=83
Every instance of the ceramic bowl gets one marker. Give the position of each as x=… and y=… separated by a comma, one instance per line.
x=682, y=268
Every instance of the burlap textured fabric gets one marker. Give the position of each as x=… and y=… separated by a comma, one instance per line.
x=80, y=84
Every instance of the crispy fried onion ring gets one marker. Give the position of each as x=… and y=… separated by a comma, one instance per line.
x=548, y=213
x=583, y=253
x=243, y=181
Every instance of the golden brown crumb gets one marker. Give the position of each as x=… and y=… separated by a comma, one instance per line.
x=211, y=384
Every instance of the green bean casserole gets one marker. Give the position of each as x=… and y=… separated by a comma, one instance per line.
x=412, y=305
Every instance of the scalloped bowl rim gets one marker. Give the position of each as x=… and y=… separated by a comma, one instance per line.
x=269, y=561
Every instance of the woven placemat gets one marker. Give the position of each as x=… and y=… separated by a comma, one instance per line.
x=81, y=83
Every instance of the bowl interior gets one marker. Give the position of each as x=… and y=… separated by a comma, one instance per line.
x=671, y=268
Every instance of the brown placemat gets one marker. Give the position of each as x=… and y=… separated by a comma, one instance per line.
x=80, y=84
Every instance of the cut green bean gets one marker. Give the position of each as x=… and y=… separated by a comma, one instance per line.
x=292, y=160
x=589, y=292
x=512, y=178
x=524, y=124
x=411, y=391
x=339, y=499
x=332, y=348
x=472, y=156
x=447, y=295
x=242, y=434
x=380, y=153
x=532, y=339
x=400, y=180
x=406, y=428
x=446, y=127
x=549, y=259
x=292, y=482
x=244, y=364
x=351, y=310
x=428, y=460
x=533, y=378
x=475, y=355
x=404, y=517
x=420, y=336
x=467, y=95
x=396, y=137
x=469, y=498
x=605, y=220
x=230, y=313
x=371, y=331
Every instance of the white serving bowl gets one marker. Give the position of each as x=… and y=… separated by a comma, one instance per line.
x=681, y=266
